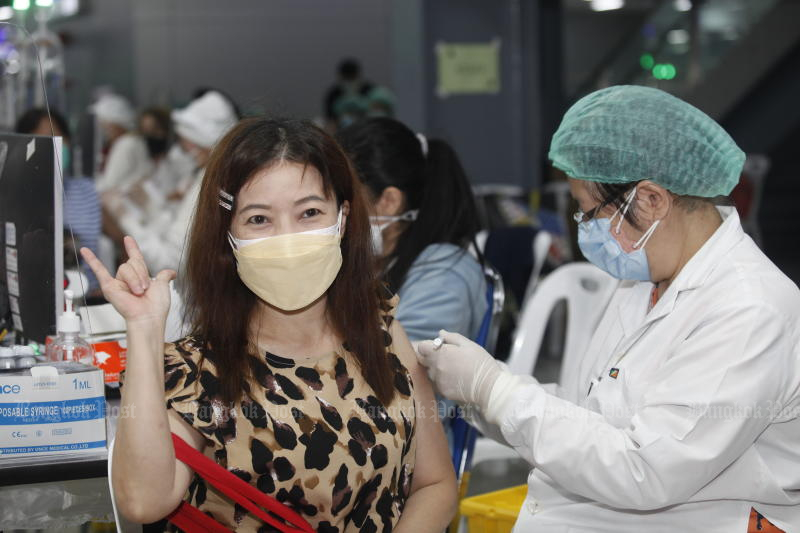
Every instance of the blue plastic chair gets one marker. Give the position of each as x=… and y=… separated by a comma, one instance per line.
x=463, y=434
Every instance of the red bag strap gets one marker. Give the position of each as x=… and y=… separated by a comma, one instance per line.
x=192, y=520
x=236, y=489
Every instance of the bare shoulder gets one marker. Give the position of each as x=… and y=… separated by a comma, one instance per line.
x=402, y=347
x=423, y=389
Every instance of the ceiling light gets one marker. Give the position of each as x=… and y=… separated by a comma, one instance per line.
x=68, y=8
x=677, y=37
x=666, y=71
x=607, y=5
x=682, y=5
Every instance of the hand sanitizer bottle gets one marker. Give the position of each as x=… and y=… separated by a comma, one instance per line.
x=68, y=345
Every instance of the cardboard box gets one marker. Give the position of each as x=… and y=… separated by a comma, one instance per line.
x=110, y=356
x=52, y=408
x=104, y=329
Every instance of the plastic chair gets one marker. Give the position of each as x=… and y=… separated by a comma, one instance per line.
x=495, y=297
x=464, y=435
x=561, y=194
x=480, y=239
x=541, y=247
x=587, y=291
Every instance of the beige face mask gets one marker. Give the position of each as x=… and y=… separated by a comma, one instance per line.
x=290, y=271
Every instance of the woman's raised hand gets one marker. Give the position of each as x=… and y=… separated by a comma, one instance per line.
x=136, y=296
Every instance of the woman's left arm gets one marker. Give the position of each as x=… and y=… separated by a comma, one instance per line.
x=433, y=499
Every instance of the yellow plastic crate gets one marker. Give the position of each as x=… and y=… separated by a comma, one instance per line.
x=494, y=512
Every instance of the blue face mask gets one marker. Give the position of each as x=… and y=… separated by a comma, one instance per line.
x=600, y=247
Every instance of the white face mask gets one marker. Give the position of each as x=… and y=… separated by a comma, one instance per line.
x=379, y=223
x=181, y=160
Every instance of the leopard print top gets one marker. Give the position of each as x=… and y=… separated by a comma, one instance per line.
x=313, y=436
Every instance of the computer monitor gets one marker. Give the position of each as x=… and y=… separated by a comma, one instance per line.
x=31, y=233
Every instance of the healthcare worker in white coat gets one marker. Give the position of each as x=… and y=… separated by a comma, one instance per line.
x=127, y=161
x=198, y=126
x=685, y=415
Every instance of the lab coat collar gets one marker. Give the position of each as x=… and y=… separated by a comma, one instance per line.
x=705, y=261
x=693, y=275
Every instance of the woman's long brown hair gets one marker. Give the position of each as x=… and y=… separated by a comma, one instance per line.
x=220, y=306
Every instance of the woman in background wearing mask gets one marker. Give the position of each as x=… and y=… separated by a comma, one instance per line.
x=155, y=126
x=295, y=377
x=423, y=222
x=684, y=412
x=161, y=232
x=82, y=212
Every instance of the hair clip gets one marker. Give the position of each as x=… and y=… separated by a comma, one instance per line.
x=226, y=200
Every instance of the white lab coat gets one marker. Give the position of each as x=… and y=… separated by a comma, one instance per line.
x=164, y=239
x=702, y=422
x=127, y=162
x=174, y=173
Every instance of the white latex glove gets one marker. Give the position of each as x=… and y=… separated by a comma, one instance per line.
x=460, y=369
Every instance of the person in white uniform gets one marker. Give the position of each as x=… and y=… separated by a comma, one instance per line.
x=127, y=161
x=198, y=126
x=684, y=413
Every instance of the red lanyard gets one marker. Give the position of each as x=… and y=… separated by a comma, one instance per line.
x=190, y=519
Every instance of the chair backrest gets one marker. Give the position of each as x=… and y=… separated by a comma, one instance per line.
x=480, y=239
x=495, y=298
x=541, y=247
x=463, y=435
x=561, y=194
x=587, y=291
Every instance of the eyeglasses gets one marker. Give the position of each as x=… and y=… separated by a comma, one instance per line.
x=580, y=217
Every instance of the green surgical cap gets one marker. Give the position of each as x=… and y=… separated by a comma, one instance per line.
x=629, y=133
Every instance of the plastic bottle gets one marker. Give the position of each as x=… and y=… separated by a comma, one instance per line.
x=68, y=345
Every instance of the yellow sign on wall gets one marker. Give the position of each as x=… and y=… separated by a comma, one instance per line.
x=468, y=68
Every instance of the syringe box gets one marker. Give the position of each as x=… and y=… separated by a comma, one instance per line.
x=52, y=408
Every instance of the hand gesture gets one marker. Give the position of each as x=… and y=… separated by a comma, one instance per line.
x=133, y=293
